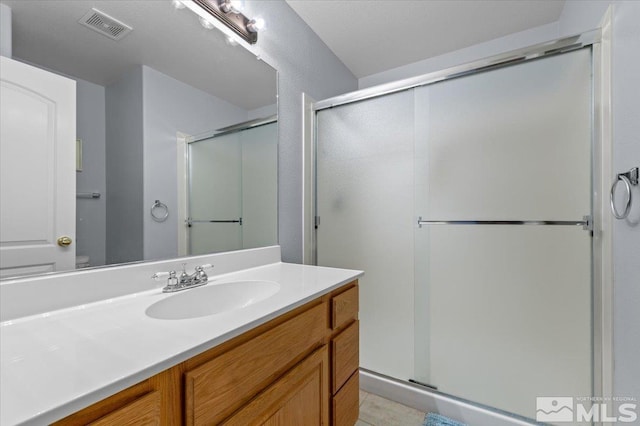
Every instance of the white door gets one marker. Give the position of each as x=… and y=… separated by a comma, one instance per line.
x=37, y=182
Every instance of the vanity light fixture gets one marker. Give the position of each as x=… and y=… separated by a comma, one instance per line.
x=231, y=41
x=232, y=6
x=228, y=13
x=256, y=25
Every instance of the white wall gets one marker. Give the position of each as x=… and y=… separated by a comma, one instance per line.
x=171, y=106
x=469, y=54
x=581, y=16
x=91, y=213
x=263, y=112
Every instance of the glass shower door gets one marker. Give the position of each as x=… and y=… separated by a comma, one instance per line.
x=503, y=301
x=215, y=194
x=233, y=190
x=464, y=202
x=259, y=185
x=365, y=203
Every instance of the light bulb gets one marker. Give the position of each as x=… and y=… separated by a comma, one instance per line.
x=177, y=4
x=205, y=23
x=256, y=25
x=231, y=41
x=237, y=5
x=232, y=6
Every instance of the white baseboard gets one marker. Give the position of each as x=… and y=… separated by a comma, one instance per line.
x=428, y=401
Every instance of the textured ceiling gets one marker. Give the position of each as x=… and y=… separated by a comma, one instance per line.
x=46, y=33
x=371, y=36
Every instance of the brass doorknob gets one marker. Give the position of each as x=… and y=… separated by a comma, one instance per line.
x=64, y=241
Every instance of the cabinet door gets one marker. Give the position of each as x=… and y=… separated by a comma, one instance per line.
x=300, y=397
x=346, y=403
x=216, y=389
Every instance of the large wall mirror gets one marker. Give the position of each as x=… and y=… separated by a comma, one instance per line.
x=176, y=137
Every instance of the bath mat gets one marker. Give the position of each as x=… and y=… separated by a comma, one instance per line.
x=434, y=419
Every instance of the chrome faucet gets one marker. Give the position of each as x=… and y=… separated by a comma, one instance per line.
x=185, y=280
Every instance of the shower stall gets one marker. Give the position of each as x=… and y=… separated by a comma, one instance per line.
x=466, y=197
x=232, y=188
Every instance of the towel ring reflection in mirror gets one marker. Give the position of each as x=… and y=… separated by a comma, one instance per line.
x=629, y=179
x=159, y=211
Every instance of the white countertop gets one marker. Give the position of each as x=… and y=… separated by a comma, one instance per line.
x=54, y=364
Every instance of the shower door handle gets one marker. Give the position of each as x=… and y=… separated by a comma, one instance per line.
x=586, y=222
x=192, y=221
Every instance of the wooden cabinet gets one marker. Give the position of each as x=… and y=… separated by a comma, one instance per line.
x=217, y=388
x=345, y=357
x=346, y=403
x=300, y=397
x=344, y=307
x=299, y=369
x=143, y=411
x=141, y=404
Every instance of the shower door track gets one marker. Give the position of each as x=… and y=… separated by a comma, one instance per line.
x=563, y=45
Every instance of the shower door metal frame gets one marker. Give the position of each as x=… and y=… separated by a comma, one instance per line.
x=600, y=223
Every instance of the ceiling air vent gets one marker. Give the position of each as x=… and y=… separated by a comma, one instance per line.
x=105, y=24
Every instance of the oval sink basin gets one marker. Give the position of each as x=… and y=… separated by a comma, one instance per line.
x=212, y=299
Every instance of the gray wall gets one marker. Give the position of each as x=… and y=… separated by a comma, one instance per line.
x=469, y=54
x=124, y=168
x=626, y=234
x=91, y=213
x=6, y=36
x=171, y=106
x=305, y=64
x=577, y=17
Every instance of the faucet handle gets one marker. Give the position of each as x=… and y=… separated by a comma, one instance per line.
x=203, y=267
x=171, y=280
x=201, y=275
x=184, y=271
x=159, y=275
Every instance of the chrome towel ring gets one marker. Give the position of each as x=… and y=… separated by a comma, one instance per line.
x=159, y=211
x=629, y=179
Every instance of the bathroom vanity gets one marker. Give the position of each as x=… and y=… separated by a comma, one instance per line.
x=292, y=355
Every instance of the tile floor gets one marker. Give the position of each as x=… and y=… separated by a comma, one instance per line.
x=378, y=411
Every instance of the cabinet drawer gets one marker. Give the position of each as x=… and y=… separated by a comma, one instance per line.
x=345, y=355
x=217, y=388
x=344, y=307
x=142, y=411
x=346, y=404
